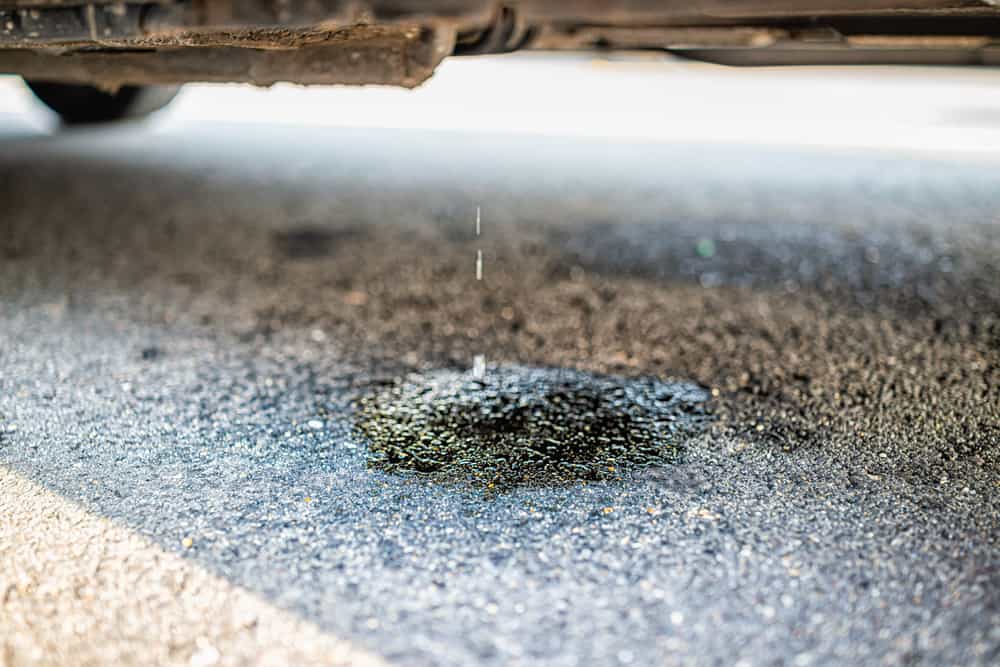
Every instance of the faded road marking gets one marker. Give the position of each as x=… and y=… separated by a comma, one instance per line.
x=76, y=589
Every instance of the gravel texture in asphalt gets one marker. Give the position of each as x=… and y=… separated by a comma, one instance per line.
x=188, y=319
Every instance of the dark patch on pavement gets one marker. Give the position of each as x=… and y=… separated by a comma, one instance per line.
x=151, y=353
x=528, y=426
x=311, y=242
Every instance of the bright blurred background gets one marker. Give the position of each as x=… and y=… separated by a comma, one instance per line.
x=624, y=95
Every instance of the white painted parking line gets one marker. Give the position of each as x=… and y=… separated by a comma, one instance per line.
x=79, y=590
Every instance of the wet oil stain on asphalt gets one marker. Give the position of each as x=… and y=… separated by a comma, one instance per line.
x=521, y=426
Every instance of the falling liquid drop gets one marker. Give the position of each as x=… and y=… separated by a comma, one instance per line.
x=479, y=361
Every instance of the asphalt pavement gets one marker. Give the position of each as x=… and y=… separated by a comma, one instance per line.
x=190, y=310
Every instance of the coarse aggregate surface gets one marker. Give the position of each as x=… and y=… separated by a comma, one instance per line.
x=188, y=319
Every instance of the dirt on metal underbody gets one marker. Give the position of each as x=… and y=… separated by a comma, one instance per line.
x=400, y=43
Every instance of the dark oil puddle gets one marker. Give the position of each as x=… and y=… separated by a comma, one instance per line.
x=528, y=426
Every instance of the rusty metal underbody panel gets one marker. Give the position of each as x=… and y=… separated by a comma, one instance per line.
x=401, y=41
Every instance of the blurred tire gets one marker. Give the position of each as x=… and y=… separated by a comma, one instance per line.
x=82, y=105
